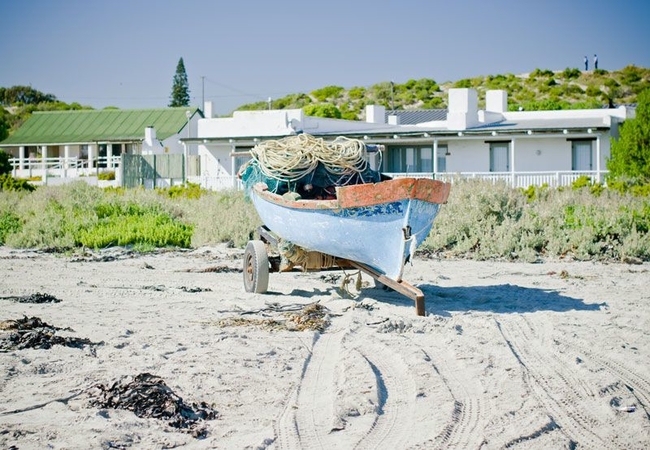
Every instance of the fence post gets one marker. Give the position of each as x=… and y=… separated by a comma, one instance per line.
x=155, y=171
x=44, y=160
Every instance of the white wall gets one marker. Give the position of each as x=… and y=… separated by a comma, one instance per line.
x=473, y=155
x=554, y=154
x=251, y=124
x=468, y=156
x=275, y=123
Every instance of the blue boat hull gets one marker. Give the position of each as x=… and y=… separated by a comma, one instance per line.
x=378, y=225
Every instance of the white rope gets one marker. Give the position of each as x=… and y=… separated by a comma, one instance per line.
x=293, y=157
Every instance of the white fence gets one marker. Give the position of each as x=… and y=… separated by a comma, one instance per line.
x=217, y=183
x=61, y=167
x=72, y=168
x=518, y=179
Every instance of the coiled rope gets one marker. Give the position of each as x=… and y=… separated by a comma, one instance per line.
x=291, y=158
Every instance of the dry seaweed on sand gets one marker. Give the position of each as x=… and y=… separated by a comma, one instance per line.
x=295, y=317
x=215, y=269
x=147, y=396
x=28, y=323
x=32, y=332
x=32, y=298
x=311, y=317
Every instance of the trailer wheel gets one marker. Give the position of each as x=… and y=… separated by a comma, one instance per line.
x=256, y=267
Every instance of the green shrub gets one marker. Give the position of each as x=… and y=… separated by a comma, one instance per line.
x=593, y=91
x=323, y=110
x=9, y=223
x=149, y=228
x=9, y=183
x=223, y=216
x=581, y=182
x=534, y=192
x=188, y=190
x=570, y=74
x=327, y=93
x=357, y=93
x=74, y=215
x=483, y=221
x=106, y=176
x=5, y=165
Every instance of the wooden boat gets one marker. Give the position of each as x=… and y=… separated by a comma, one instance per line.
x=325, y=202
x=375, y=227
x=376, y=224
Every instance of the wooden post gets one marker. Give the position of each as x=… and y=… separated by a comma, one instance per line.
x=419, y=305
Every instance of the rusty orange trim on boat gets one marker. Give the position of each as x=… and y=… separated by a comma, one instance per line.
x=424, y=189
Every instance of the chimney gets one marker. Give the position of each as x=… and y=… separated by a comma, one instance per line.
x=207, y=110
x=463, y=109
x=150, y=135
x=496, y=101
x=375, y=114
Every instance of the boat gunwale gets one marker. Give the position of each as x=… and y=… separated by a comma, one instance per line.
x=366, y=194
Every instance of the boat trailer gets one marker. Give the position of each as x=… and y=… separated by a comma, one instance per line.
x=258, y=264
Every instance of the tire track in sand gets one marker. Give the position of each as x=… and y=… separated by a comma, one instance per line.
x=309, y=419
x=460, y=430
x=308, y=416
x=554, y=386
x=635, y=382
x=396, y=396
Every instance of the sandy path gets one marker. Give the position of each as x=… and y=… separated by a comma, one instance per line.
x=510, y=355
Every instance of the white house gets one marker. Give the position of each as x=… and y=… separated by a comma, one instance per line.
x=60, y=146
x=522, y=147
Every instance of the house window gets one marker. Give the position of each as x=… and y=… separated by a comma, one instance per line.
x=240, y=160
x=499, y=156
x=581, y=155
x=442, y=158
x=409, y=160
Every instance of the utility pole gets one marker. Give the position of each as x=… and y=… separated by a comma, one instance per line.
x=202, y=93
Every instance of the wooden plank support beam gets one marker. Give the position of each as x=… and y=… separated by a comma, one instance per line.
x=403, y=287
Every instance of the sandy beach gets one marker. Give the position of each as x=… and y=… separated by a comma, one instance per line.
x=509, y=355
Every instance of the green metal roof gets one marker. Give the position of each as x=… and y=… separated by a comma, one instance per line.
x=88, y=126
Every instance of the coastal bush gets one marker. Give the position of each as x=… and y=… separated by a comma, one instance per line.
x=65, y=217
x=106, y=176
x=5, y=165
x=327, y=93
x=482, y=220
x=9, y=183
x=221, y=216
x=9, y=223
x=540, y=222
x=188, y=190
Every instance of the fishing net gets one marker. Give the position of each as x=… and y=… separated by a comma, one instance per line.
x=308, y=166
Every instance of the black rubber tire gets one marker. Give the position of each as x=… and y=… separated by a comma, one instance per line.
x=256, y=267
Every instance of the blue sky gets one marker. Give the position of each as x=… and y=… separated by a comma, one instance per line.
x=124, y=52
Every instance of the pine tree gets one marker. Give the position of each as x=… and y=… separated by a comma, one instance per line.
x=180, y=89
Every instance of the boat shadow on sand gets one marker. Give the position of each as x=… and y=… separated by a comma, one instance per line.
x=500, y=299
